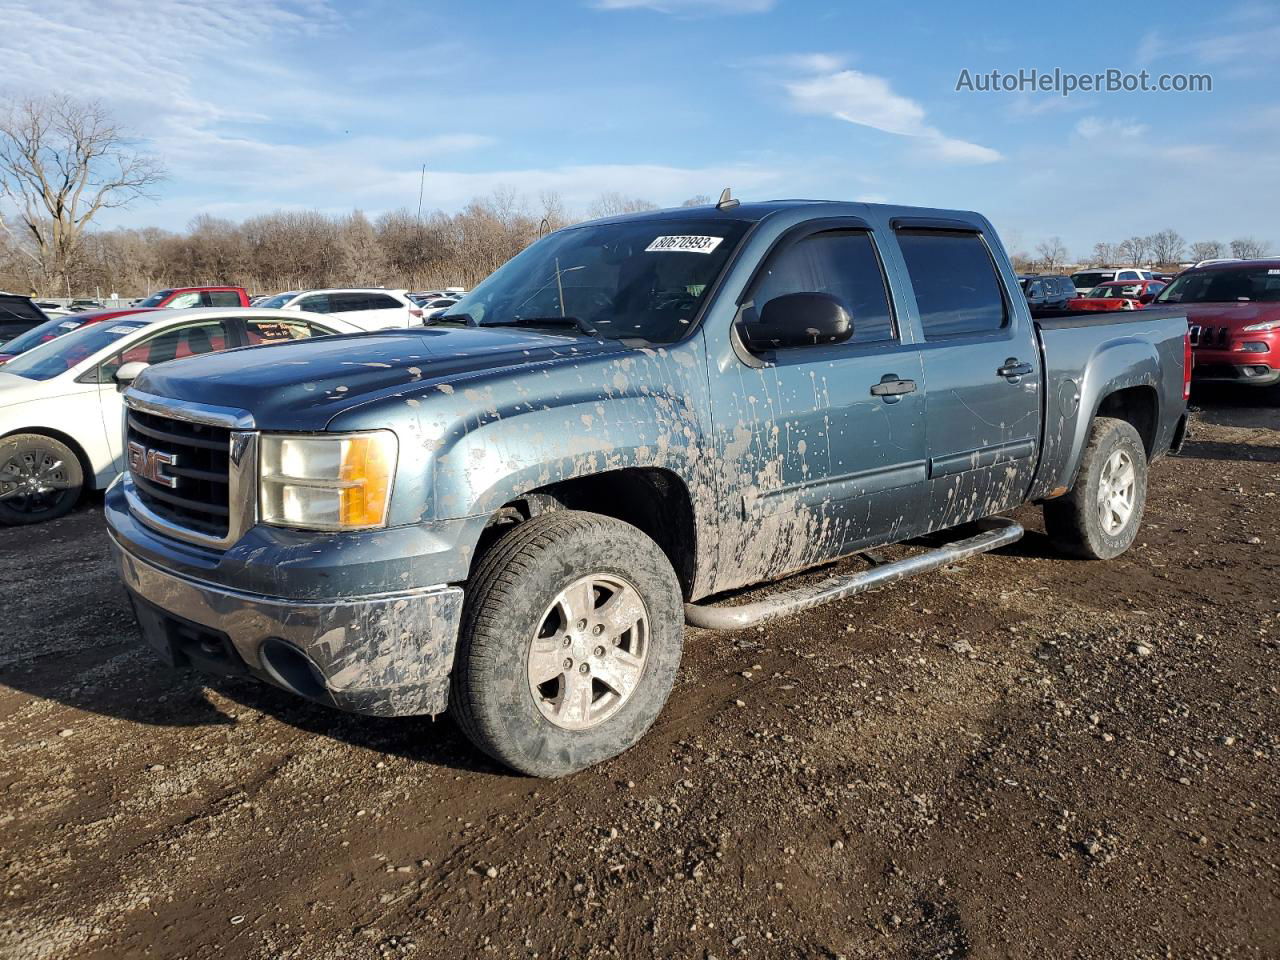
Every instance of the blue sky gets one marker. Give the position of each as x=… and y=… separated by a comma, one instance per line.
x=255, y=106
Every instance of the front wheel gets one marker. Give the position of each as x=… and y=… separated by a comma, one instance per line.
x=40, y=478
x=1100, y=517
x=570, y=642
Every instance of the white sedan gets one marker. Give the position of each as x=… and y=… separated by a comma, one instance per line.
x=60, y=405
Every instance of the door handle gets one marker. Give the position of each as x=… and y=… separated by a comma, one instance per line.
x=891, y=388
x=1014, y=368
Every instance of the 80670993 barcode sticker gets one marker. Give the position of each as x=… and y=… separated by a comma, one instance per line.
x=683, y=244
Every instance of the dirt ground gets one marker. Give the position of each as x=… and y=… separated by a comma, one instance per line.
x=1024, y=756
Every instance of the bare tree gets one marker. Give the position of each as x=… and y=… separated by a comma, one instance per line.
x=697, y=200
x=1134, y=250
x=1104, y=254
x=1206, y=250
x=1167, y=246
x=61, y=163
x=613, y=204
x=1248, y=248
x=1053, y=253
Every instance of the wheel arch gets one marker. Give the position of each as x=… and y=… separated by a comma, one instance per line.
x=655, y=500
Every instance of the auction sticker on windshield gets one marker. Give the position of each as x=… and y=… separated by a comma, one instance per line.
x=124, y=329
x=683, y=244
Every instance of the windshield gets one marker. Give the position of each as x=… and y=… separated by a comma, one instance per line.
x=48, y=360
x=642, y=280
x=155, y=299
x=1232, y=285
x=50, y=330
x=278, y=301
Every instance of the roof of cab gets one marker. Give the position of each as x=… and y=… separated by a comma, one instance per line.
x=756, y=210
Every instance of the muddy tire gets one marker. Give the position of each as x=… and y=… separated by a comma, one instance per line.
x=571, y=637
x=40, y=479
x=1100, y=517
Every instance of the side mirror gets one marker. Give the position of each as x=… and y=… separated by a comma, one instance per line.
x=1146, y=298
x=128, y=372
x=797, y=320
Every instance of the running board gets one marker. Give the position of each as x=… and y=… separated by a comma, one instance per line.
x=999, y=532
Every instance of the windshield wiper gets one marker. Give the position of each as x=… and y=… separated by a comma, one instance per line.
x=464, y=319
x=554, y=321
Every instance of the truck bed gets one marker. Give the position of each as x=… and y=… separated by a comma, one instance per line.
x=1086, y=357
x=1081, y=318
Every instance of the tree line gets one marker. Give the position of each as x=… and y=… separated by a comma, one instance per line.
x=293, y=249
x=1164, y=250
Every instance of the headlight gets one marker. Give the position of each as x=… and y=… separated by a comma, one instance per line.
x=1265, y=325
x=326, y=482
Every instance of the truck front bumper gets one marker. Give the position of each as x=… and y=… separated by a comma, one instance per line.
x=384, y=655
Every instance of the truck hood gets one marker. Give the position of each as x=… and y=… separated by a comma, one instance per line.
x=1234, y=315
x=303, y=385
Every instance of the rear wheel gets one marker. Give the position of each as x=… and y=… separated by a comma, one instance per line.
x=1100, y=517
x=570, y=642
x=40, y=478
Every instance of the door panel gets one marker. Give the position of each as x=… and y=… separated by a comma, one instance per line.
x=813, y=463
x=982, y=365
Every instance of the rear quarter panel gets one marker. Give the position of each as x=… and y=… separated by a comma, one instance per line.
x=1090, y=356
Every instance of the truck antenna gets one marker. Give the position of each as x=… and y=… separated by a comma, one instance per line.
x=726, y=201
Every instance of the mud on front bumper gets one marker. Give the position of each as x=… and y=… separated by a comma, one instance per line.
x=385, y=655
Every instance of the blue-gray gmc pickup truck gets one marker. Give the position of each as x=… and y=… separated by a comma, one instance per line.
x=514, y=512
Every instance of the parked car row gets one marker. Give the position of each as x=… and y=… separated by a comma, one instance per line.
x=60, y=407
x=1232, y=306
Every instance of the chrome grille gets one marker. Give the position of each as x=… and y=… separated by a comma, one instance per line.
x=192, y=488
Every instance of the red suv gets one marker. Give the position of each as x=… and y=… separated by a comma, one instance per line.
x=180, y=297
x=1234, y=312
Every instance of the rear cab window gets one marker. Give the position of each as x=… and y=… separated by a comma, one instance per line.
x=957, y=289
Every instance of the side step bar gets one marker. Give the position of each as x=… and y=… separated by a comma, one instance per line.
x=998, y=532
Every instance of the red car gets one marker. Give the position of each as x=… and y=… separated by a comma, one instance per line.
x=1118, y=295
x=176, y=298
x=1234, y=311
x=52, y=329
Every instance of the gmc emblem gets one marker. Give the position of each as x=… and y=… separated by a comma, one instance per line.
x=149, y=464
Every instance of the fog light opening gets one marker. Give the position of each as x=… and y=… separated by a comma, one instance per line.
x=292, y=669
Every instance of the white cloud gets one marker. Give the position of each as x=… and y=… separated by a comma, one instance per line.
x=1091, y=128
x=1248, y=43
x=688, y=6
x=870, y=101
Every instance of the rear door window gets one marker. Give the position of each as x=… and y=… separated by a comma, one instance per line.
x=956, y=286
x=380, y=301
x=319, y=303
x=348, y=302
x=220, y=298
x=275, y=330
x=842, y=263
